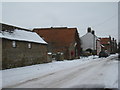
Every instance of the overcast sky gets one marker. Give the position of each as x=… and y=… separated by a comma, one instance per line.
x=101, y=16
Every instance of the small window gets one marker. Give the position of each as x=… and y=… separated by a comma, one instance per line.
x=14, y=44
x=29, y=45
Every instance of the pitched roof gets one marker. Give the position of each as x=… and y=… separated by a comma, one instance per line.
x=105, y=40
x=90, y=34
x=57, y=36
x=6, y=26
x=22, y=35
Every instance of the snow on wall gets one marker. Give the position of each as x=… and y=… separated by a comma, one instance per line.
x=87, y=41
x=22, y=35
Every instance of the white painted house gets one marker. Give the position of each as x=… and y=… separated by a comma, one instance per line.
x=90, y=41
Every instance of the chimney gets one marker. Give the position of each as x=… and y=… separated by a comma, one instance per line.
x=89, y=30
x=110, y=37
x=113, y=39
x=93, y=32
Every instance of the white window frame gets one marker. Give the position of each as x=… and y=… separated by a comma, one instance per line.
x=13, y=44
x=29, y=45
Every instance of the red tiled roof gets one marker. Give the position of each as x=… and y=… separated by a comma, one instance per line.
x=58, y=36
x=105, y=40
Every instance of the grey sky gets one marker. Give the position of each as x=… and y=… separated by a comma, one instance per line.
x=102, y=17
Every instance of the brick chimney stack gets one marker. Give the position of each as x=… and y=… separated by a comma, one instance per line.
x=89, y=30
x=109, y=37
x=113, y=39
x=93, y=32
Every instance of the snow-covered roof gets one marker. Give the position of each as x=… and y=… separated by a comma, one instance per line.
x=22, y=35
x=102, y=45
x=98, y=39
x=89, y=34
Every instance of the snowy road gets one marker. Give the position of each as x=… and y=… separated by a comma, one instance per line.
x=99, y=73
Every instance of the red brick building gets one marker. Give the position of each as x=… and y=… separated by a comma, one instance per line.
x=109, y=44
x=61, y=40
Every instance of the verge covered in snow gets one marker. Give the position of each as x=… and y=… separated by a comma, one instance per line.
x=22, y=35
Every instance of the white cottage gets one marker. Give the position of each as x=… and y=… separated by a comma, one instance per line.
x=90, y=42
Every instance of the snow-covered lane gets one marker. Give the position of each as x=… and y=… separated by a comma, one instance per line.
x=23, y=74
x=91, y=73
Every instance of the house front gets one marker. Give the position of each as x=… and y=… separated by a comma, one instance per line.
x=22, y=48
x=62, y=41
x=90, y=42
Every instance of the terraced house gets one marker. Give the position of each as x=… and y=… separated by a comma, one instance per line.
x=90, y=42
x=110, y=44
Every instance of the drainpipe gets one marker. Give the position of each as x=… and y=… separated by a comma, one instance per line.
x=93, y=32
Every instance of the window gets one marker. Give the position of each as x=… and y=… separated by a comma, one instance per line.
x=14, y=44
x=29, y=45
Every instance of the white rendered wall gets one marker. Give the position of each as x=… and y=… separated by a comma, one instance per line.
x=98, y=47
x=88, y=41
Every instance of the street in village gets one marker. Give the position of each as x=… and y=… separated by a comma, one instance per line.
x=59, y=45
x=91, y=72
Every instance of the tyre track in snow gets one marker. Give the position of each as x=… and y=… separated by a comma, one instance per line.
x=98, y=78
x=45, y=75
x=58, y=78
x=67, y=77
x=78, y=72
